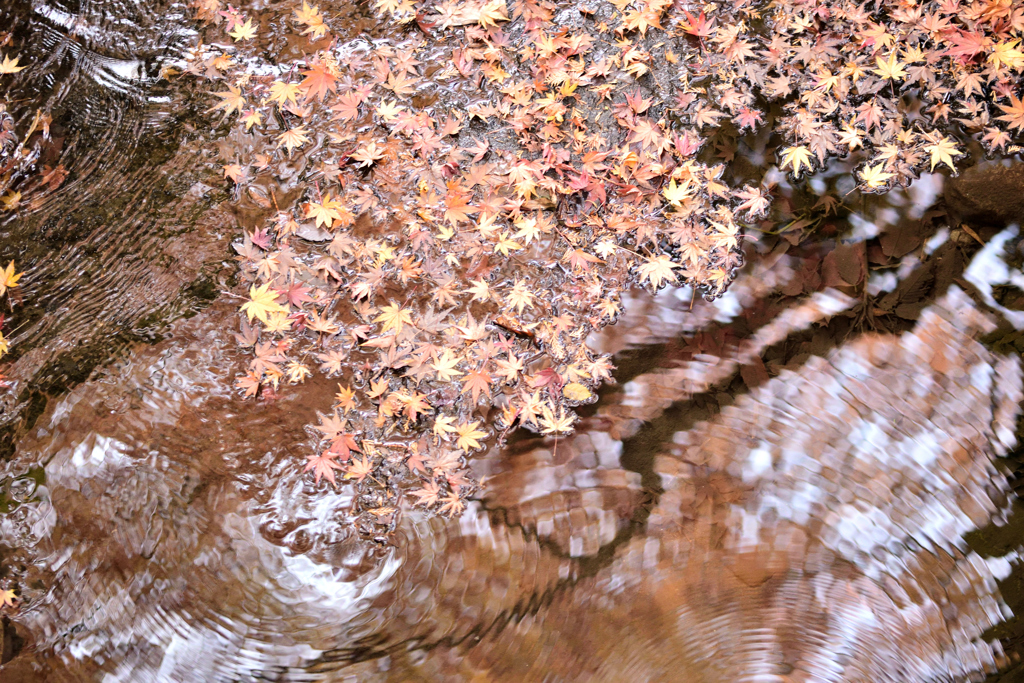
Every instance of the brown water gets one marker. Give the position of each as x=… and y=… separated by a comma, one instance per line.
x=789, y=484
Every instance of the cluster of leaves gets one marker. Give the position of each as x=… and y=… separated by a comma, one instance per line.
x=481, y=185
x=19, y=157
x=902, y=83
x=8, y=281
x=449, y=259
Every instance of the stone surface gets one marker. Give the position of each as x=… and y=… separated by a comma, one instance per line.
x=989, y=194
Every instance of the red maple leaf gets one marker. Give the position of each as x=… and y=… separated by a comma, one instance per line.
x=318, y=82
x=323, y=465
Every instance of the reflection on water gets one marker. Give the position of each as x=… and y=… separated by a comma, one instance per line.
x=811, y=530
x=769, y=493
x=117, y=247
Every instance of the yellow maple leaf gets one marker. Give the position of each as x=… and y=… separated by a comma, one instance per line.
x=292, y=138
x=795, y=157
x=394, y=317
x=231, y=100
x=445, y=365
x=505, y=244
x=873, y=177
x=677, y=194
x=10, y=201
x=326, y=212
x=890, y=69
x=1006, y=52
x=10, y=66
x=492, y=13
x=574, y=391
x=263, y=301
x=389, y=110
x=519, y=296
x=244, y=31
x=443, y=425
x=554, y=424
x=657, y=270
x=7, y=598
x=282, y=93
x=942, y=152
x=469, y=436
x=308, y=15
x=252, y=118
x=8, y=279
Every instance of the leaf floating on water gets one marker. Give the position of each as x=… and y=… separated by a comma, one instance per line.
x=10, y=66
x=263, y=301
x=576, y=392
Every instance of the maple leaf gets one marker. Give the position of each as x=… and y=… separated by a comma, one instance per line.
x=344, y=444
x=323, y=466
x=297, y=373
x=296, y=294
x=520, y=296
x=428, y=494
x=795, y=157
x=400, y=83
x=244, y=31
x=756, y=201
x=443, y=425
x=235, y=172
x=469, y=436
x=555, y=424
x=307, y=15
x=389, y=110
x=394, y=317
x=453, y=504
x=477, y=382
x=326, y=212
x=1006, y=52
x=580, y=259
x=347, y=107
x=292, y=138
x=942, y=152
x=658, y=270
x=445, y=365
x=251, y=117
x=967, y=44
x=10, y=66
x=263, y=300
x=359, y=469
x=1014, y=113
x=447, y=463
x=310, y=16
x=491, y=13
x=874, y=177
x=366, y=156
x=330, y=425
x=890, y=69
x=283, y=93
x=8, y=279
x=416, y=405
x=7, y=597
x=345, y=398
x=697, y=26
x=506, y=244
x=677, y=194
x=231, y=101
x=318, y=82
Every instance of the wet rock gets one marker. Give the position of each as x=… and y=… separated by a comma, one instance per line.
x=987, y=195
x=10, y=641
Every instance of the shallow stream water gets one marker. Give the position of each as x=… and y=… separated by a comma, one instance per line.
x=788, y=484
